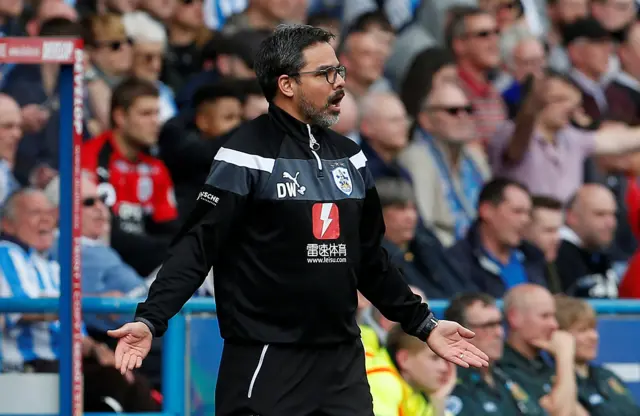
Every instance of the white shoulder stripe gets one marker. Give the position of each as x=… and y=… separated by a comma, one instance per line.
x=359, y=160
x=245, y=160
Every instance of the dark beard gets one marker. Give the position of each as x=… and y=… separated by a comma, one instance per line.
x=321, y=117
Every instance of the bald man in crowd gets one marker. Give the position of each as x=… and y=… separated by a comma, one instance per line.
x=10, y=136
x=530, y=314
x=384, y=133
x=447, y=173
x=584, y=267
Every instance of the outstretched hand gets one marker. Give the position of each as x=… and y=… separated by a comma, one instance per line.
x=134, y=344
x=449, y=341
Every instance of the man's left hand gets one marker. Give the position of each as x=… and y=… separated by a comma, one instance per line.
x=449, y=341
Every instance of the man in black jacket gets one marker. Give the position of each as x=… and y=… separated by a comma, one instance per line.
x=493, y=257
x=290, y=221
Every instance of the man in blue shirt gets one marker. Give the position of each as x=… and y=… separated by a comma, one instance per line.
x=493, y=257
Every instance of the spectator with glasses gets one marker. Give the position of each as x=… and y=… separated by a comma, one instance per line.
x=488, y=391
x=149, y=47
x=446, y=172
x=472, y=35
x=109, y=50
x=104, y=273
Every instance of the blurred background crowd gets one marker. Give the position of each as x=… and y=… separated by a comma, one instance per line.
x=504, y=137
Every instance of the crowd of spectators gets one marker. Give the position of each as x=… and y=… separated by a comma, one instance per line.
x=503, y=136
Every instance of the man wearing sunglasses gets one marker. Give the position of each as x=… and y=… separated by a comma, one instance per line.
x=290, y=221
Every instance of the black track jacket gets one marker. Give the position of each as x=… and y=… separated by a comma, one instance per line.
x=291, y=233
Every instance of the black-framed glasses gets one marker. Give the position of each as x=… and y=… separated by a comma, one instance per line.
x=454, y=110
x=93, y=200
x=330, y=73
x=114, y=45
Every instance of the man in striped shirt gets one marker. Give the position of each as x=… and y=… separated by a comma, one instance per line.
x=30, y=341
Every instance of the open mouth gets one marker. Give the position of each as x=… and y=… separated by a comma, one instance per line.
x=334, y=103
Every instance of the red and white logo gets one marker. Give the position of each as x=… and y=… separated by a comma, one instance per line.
x=326, y=221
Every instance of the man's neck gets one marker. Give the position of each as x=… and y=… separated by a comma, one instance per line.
x=549, y=133
x=290, y=108
x=588, y=75
x=634, y=74
x=477, y=74
x=129, y=151
x=384, y=153
x=180, y=35
x=258, y=20
x=49, y=74
x=452, y=151
x=582, y=369
x=490, y=244
x=487, y=375
x=401, y=243
x=522, y=347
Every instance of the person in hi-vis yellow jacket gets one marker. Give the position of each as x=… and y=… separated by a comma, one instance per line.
x=407, y=378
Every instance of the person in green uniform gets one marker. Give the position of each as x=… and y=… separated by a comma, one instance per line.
x=490, y=391
x=530, y=313
x=600, y=391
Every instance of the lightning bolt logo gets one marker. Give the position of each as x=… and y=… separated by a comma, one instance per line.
x=324, y=217
x=326, y=221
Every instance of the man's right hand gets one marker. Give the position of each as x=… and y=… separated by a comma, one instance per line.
x=133, y=345
x=561, y=342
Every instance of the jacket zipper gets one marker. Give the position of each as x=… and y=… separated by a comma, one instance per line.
x=314, y=145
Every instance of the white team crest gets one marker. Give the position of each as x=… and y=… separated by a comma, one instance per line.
x=342, y=180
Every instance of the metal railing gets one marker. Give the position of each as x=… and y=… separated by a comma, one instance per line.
x=174, y=352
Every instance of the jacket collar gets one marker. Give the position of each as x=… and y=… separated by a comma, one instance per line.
x=512, y=358
x=526, y=250
x=291, y=125
x=16, y=241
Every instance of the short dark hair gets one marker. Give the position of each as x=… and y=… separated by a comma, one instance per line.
x=249, y=87
x=282, y=54
x=322, y=18
x=548, y=202
x=366, y=20
x=457, y=309
x=493, y=191
x=129, y=90
x=457, y=23
x=394, y=191
x=59, y=26
x=212, y=92
x=551, y=73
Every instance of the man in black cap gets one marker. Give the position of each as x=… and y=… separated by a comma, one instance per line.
x=589, y=47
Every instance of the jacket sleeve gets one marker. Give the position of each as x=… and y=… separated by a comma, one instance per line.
x=195, y=250
x=379, y=280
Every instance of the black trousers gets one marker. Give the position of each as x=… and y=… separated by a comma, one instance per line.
x=276, y=380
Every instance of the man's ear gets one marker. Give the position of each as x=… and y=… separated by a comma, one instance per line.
x=285, y=84
x=401, y=358
x=118, y=116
